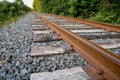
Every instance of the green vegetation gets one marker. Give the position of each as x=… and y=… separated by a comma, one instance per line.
x=99, y=10
x=10, y=11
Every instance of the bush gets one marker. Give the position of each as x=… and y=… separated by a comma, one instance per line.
x=99, y=10
x=9, y=10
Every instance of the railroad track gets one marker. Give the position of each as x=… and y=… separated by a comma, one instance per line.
x=98, y=44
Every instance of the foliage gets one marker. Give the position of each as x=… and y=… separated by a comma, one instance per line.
x=73, y=8
x=99, y=10
x=10, y=10
x=36, y=6
x=109, y=14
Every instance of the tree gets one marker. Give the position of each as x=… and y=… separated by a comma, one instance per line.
x=37, y=5
x=99, y=10
x=9, y=10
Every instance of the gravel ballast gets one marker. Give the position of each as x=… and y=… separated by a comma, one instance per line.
x=15, y=47
x=16, y=62
x=56, y=62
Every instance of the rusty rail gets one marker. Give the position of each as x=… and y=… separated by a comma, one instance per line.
x=92, y=23
x=104, y=62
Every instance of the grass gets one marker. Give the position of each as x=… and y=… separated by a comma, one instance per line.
x=8, y=21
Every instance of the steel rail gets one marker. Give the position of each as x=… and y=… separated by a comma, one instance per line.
x=91, y=23
x=105, y=62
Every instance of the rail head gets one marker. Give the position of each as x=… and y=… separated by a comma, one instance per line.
x=99, y=58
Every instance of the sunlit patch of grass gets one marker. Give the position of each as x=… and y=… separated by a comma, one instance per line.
x=8, y=21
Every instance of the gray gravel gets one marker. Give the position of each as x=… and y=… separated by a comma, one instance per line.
x=56, y=62
x=15, y=60
x=15, y=45
x=116, y=51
